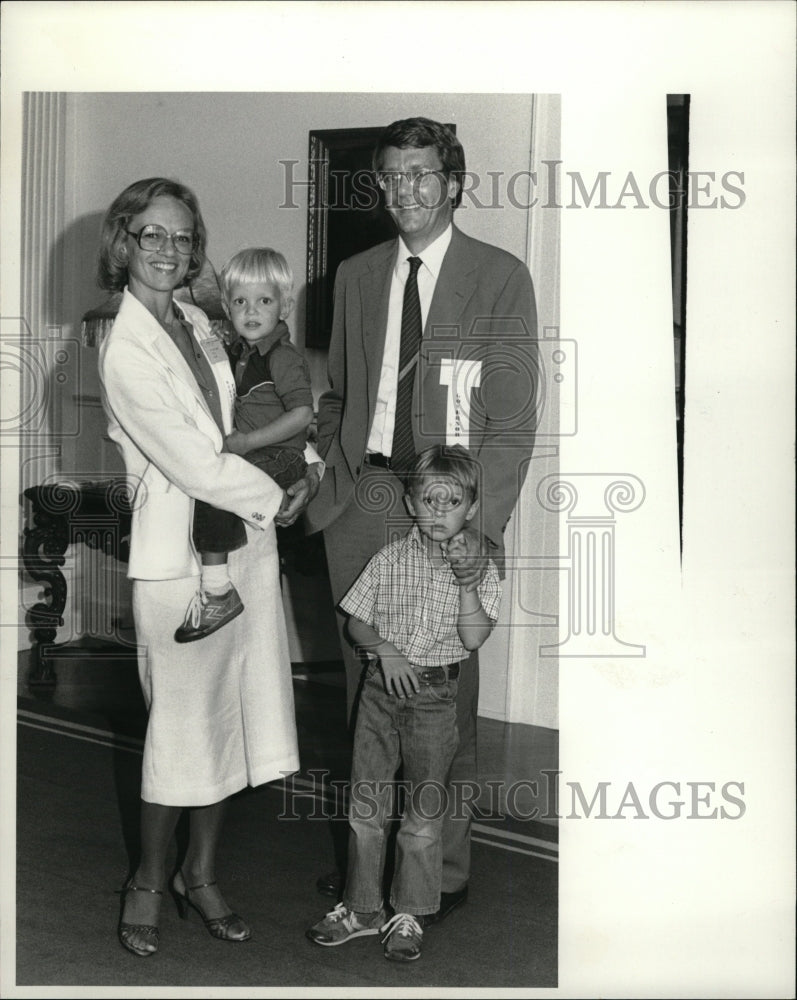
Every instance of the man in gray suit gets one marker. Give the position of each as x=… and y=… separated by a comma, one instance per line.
x=470, y=380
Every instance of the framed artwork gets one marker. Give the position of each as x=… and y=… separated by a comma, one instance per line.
x=345, y=215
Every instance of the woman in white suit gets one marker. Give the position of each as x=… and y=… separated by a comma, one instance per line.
x=221, y=711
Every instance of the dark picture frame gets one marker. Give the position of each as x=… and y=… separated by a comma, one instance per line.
x=345, y=215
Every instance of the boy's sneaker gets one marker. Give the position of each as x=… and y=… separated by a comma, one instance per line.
x=403, y=937
x=207, y=613
x=342, y=924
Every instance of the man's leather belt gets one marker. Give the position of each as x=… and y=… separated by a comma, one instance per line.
x=380, y=461
x=437, y=675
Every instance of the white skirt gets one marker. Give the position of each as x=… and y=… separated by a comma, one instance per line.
x=221, y=713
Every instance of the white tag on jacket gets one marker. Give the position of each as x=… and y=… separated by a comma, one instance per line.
x=217, y=356
x=214, y=351
x=461, y=377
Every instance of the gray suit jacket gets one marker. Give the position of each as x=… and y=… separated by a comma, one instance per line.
x=481, y=328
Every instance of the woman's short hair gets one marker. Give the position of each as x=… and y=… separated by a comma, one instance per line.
x=112, y=266
x=256, y=265
x=449, y=460
x=418, y=133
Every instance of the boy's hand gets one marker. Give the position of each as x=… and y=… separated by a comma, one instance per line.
x=236, y=443
x=466, y=555
x=455, y=549
x=400, y=679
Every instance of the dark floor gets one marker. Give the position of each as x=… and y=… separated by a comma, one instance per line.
x=79, y=756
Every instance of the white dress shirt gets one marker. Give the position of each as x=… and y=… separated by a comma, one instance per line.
x=380, y=440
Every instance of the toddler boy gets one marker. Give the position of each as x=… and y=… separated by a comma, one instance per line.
x=273, y=409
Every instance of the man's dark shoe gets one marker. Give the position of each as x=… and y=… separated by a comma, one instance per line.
x=330, y=885
x=448, y=901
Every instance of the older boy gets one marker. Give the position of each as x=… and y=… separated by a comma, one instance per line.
x=415, y=623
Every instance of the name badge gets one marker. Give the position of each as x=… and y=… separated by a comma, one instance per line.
x=461, y=378
x=214, y=350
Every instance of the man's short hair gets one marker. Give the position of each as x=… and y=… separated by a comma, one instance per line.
x=418, y=133
x=449, y=460
x=256, y=265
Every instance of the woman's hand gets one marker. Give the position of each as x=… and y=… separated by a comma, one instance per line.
x=297, y=497
x=237, y=443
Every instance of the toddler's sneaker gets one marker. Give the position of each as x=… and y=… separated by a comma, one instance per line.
x=207, y=613
x=403, y=937
x=342, y=924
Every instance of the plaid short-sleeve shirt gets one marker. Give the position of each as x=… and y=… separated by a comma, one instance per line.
x=415, y=605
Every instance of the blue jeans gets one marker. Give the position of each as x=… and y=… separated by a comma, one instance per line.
x=420, y=733
x=218, y=530
x=350, y=540
x=284, y=465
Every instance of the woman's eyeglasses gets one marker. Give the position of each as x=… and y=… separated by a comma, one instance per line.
x=154, y=238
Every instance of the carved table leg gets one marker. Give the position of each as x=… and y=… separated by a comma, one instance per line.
x=43, y=555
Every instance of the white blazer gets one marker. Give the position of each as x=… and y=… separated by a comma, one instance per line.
x=170, y=442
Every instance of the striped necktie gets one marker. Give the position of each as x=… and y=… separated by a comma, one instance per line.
x=403, y=450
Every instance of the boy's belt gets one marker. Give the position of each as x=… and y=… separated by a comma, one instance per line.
x=437, y=675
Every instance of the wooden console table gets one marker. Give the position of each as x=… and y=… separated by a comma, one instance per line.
x=95, y=513
x=99, y=515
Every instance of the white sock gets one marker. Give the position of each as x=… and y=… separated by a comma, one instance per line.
x=216, y=579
